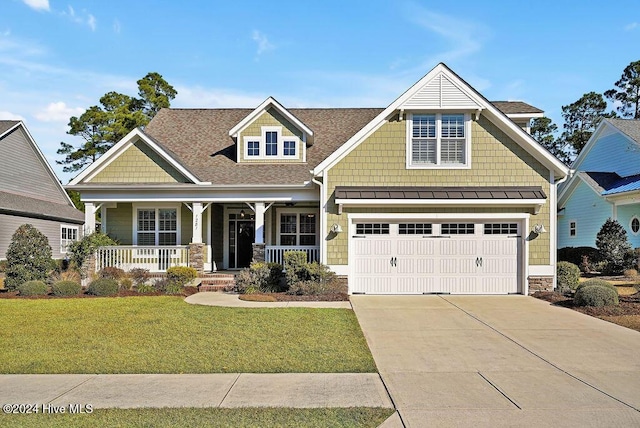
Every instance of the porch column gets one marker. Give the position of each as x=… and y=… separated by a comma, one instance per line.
x=196, y=237
x=259, y=222
x=89, y=218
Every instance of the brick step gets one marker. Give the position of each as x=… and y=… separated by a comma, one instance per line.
x=217, y=287
x=217, y=282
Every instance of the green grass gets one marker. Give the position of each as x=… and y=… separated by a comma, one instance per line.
x=166, y=335
x=188, y=417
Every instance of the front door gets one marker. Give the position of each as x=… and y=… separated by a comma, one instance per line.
x=241, y=238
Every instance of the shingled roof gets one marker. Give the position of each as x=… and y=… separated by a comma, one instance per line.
x=199, y=139
x=13, y=204
x=5, y=125
x=516, y=107
x=376, y=192
x=630, y=127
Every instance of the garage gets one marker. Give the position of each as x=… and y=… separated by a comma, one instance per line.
x=446, y=256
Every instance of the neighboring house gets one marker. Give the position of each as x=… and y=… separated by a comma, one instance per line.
x=437, y=193
x=605, y=184
x=31, y=193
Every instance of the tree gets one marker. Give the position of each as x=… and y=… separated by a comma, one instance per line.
x=581, y=118
x=614, y=247
x=28, y=257
x=543, y=130
x=102, y=126
x=628, y=92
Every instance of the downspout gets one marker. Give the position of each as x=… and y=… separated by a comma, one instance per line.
x=323, y=219
x=554, y=241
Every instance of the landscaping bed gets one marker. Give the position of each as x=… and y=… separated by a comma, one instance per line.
x=4, y=294
x=284, y=297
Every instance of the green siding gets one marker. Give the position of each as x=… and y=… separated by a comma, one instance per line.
x=217, y=233
x=186, y=226
x=496, y=160
x=271, y=118
x=139, y=164
x=120, y=223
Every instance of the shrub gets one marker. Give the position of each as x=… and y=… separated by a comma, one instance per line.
x=630, y=274
x=66, y=275
x=125, y=283
x=598, y=283
x=595, y=295
x=568, y=276
x=103, y=287
x=145, y=288
x=253, y=279
x=181, y=275
x=28, y=257
x=80, y=250
x=139, y=276
x=614, y=247
x=318, y=272
x=66, y=288
x=576, y=255
x=167, y=286
x=111, y=272
x=310, y=288
x=294, y=262
x=33, y=288
x=3, y=266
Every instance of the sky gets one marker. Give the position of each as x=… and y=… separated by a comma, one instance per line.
x=57, y=58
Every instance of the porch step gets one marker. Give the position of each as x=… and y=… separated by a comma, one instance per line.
x=217, y=282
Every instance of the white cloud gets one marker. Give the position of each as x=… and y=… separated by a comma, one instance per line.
x=83, y=19
x=198, y=97
x=263, y=43
x=631, y=26
x=37, y=4
x=7, y=115
x=58, y=112
x=116, y=26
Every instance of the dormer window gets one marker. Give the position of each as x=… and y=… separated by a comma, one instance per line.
x=271, y=145
x=438, y=140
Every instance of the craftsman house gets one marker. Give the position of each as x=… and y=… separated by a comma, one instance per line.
x=31, y=193
x=440, y=192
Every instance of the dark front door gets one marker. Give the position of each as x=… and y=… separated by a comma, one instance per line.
x=246, y=234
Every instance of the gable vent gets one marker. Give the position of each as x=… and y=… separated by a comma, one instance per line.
x=441, y=93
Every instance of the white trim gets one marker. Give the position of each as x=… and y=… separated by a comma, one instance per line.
x=120, y=147
x=523, y=115
x=504, y=123
x=342, y=270
x=298, y=211
x=69, y=241
x=269, y=102
x=542, y=270
x=575, y=228
x=156, y=206
x=633, y=217
x=262, y=145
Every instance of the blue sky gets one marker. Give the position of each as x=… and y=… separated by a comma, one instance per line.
x=57, y=58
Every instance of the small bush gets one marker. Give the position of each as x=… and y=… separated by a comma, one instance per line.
x=630, y=274
x=103, y=287
x=568, y=276
x=28, y=257
x=66, y=288
x=595, y=295
x=145, y=288
x=3, y=266
x=111, y=272
x=576, y=255
x=252, y=279
x=66, y=275
x=125, y=283
x=167, y=286
x=139, y=276
x=312, y=288
x=181, y=275
x=294, y=262
x=597, y=282
x=614, y=247
x=33, y=288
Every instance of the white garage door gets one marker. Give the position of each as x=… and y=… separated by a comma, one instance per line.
x=418, y=258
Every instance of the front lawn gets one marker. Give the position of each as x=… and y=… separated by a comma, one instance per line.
x=189, y=417
x=166, y=335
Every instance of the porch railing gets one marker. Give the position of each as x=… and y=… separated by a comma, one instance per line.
x=156, y=259
x=275, y=253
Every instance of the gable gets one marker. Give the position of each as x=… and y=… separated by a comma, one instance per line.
x=441, y=93
x=611, y=151
x=24, y=171
x=138, y=163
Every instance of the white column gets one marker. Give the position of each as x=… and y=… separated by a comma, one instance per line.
x=197, y=223
x=259, y=222
x=89, y=218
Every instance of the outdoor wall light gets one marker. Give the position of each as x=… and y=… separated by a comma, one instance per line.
x=241, y=213
x=539, y=228
x=336, y=228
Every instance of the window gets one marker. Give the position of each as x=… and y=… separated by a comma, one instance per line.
x=501, y=229
x=438, y=140
x=414, y=229
x=372, y=228
x=157, y=226
x=298, y=229
x=573, y=228
x=457, y=228
x=253, y=148
x=635, y=225
x=271, y=145
x=68, y=234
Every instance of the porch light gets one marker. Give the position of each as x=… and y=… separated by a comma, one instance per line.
x=336, y=228
x=241, y=213
x=539, y=228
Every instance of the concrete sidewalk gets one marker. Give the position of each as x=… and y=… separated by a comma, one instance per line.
x=299, y=390
x=216, y=298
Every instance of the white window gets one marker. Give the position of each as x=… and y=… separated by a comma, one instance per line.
x=271, y=145
x=438, y=140
x=298, y=228
x=157, y=226
x=573, y=228
x=634, y=225
x=68, y=234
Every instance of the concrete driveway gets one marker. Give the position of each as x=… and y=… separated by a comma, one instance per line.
x=499, y=361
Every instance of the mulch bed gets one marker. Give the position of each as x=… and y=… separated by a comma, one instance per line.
x=284, y=297
x=187, y=291
x=629, y=305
